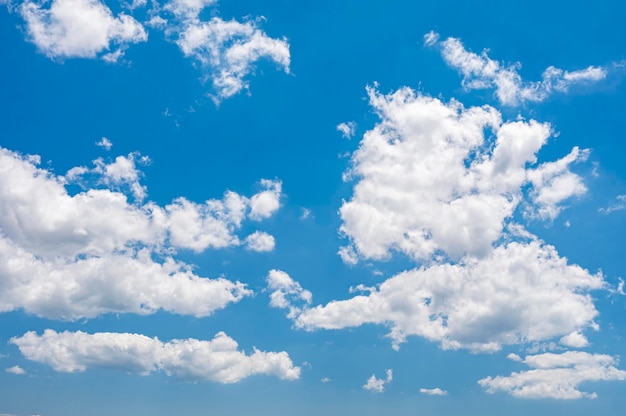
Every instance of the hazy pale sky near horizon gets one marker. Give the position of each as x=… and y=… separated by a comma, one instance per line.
x=271, y=207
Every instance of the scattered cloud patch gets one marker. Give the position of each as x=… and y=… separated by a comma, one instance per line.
x=325, y=380
x=434, y=392
x=377, y=385
x=347, y=130
x=556, y=376
x=16, y=369
x=79, y=29
x=217, y=360
x=77, y=256
x=481, y=72
x=554, y=183
x=104, y=143
x=265, y=203
x=260, y=241
x=122, y=173
x=574, y=340
x=226, y=50
x=520, y=293
x=306, y=213
x=430, y=179
x=287, y=293
x=616, y=206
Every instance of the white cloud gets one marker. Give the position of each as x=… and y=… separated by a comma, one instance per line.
x=260, y=241
x=378, y=384
x=430, y=179
x=617, y=206
x=217, y=360
x=16, y=369
x=79, y=28
x=135, y=4
x=286, y=293
x=574, y=340
x=105, y=143
x=553, y=183
x=522, y=292
x=434, y=392
x=266, y=203
x=348, y=255
x=347, y=130
x=71, y=256
x=556, y=376
x=188, y=9
x=228, y=50
x=325, y=380
x=306, y=213
x=482, y=72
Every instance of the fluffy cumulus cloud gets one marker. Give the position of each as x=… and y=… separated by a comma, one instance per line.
x=71, y=256
x=521, y=292
x=430, y=179
x=79, y=28
x=378, y=384
x=556, y=376
x=286, y=293
x=445, y=185
x=217, y=360
x=481, y=72
x=227, y=49
x=260, y=241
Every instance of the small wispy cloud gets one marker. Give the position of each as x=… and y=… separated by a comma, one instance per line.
x=378, y=384
x=434, y=392
x=616, y=206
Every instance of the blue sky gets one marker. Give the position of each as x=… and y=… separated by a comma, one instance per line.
x=267, y=207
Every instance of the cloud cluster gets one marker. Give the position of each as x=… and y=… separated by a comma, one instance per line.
x=378, y=384
x=71, y=256
x=556, y=376
x=521, y=292
x=80, y=28
x=441, y=183
x=431, y=179
x=217, y=360
x=227, y=50
x=482, y=72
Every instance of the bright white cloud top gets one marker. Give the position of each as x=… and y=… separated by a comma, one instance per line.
x=80, y=28
x=431, y=180
x=556, y=376
x=74, y=256
x=227, y=50
x=216, y=360
x=521, y=292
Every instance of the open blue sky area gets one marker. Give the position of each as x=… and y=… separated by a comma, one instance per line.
x=333, y=207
